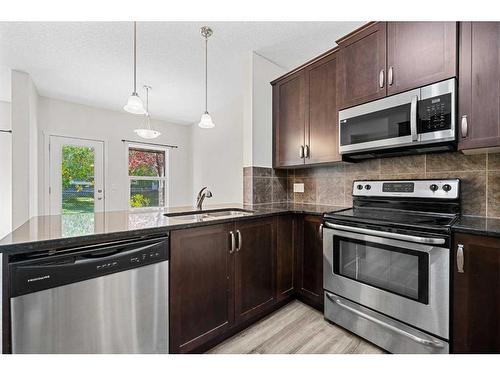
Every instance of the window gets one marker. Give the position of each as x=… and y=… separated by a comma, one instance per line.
x=147, y=172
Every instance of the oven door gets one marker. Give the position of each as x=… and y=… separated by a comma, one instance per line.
x=402, y=278
x=384, y=123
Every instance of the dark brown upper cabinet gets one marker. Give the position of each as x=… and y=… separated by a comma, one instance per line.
x=419, y=54
x=289, y=111
x=322, y=133
x=305, y=110
x=479, y=88
x=362, y=65
x=385, y=58
x=476, y=294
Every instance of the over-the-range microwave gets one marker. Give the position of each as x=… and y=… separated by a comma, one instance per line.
x=413, y=122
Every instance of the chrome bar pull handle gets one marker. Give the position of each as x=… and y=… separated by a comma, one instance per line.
x=460, y=258
x=320, y=231
x=381, y=78
x=390, y=76
x=301, y=152
x=306, y=152
x=413, y=118
x=240, y=240
x=233, y=242
x=464, y=126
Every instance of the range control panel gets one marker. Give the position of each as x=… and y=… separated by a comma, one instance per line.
x=441, y=189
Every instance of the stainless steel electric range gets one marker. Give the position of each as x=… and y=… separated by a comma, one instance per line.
x=386, y=263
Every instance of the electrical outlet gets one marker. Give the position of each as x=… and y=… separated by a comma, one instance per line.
x=298, y=188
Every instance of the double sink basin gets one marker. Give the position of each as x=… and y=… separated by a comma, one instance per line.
x=207, y=215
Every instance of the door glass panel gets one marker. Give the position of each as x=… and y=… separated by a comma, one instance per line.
x=400, y=271
x=388, y=123
x=77, y=173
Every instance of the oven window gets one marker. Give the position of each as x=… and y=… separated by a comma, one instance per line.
x=388, y=123
x=400, y=271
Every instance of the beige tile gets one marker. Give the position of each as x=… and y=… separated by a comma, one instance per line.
x=454, y=161
x=493, y=194
x=309, y=194
x=371, y=166
x=494, y=162
x=330, y=190
x=473, y=190
x=261, y=172
x=402, y=176
x=333, y=170
x=280, y=189
x=405, y=164
x=262, y=190
x=247, y=190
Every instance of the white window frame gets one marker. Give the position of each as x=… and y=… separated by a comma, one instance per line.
x=165, y=179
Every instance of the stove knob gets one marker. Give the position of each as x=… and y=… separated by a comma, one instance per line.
x=447, y=187
x=433, y=187
x=368, y=187
x=360, y=187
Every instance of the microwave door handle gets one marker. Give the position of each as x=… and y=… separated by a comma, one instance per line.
x=413, y=118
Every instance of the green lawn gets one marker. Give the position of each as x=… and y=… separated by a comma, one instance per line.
x=77, y=205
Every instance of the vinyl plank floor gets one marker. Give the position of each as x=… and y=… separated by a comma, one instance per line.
x=295, y=328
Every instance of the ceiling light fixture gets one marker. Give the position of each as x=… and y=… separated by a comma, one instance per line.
x=206, y=121
x=134, y=103
x=146, y=131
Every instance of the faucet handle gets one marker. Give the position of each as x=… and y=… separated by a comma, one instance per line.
x=208, y=194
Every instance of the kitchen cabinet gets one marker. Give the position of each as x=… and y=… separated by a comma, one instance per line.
x=305, y=110
x=201, y=286
x=385, y=58
x=254, y=267
x=310, y=261
x=362, y=65
x=289, y=111
x=215, y=287
x=419, y=54
x=479, y=88
x=476, y=294
x=285, y=256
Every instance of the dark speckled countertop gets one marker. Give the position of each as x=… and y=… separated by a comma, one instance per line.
x=478, y=225
x=42, y=232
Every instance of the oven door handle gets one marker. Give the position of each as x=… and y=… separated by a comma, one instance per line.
x=397, y=236
x=411, y=336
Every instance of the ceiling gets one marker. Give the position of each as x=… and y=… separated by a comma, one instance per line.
x=91, y=62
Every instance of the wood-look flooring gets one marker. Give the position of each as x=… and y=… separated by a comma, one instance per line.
x=295, y=328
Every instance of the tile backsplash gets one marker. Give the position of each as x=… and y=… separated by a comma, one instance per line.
x=332, y=185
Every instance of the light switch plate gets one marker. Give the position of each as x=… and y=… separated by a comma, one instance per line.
x=298, y=188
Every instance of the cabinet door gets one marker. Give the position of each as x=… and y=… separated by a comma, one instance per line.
x=362, y=73
x=310, y=261
x=254, y=272
x=322, y=135
x=289, y=108
x=201, y=286
x=476, y=295
x=420, y=53
x=285, y=255
x=479, y=85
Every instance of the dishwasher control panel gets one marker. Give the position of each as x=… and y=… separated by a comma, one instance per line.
x=32, y=275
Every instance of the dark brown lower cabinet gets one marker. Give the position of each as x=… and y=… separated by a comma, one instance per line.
x=476, y=294
x=285, y=256
x=254, y=271
x=201, y=286
x=310, y=261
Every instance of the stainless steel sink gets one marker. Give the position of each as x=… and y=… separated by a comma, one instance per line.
x=209, y=214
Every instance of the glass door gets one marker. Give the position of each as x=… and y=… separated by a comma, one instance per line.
x=76, y=176
x=397, y=270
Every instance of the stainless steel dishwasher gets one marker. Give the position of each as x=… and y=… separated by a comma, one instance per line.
x=108, y=298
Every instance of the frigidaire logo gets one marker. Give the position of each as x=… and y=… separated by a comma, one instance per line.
x=39, y=278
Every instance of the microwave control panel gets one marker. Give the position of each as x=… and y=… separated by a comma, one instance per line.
x=434, y=114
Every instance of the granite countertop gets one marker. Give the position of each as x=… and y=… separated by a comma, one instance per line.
x=71, y=230
x=477, y=225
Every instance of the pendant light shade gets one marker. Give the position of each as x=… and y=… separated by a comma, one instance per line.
x=146, y=131
x=206, y=120
x=134, y=103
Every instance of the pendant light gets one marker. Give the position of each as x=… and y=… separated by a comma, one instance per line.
x=146, y=131
x=206, y=121
x=134, y=103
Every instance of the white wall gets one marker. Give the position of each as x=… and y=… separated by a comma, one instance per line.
x=62, y=118
x=24, y=120
x=218, y=154
x=5, y=170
